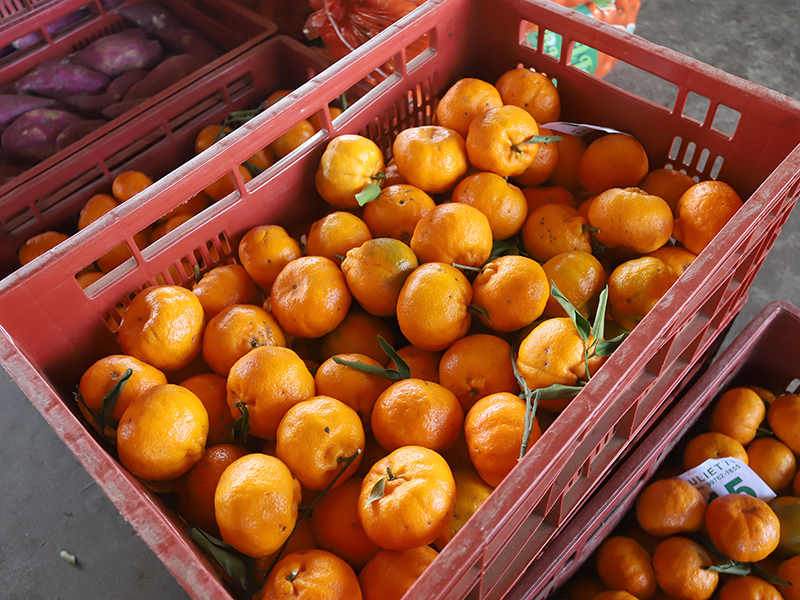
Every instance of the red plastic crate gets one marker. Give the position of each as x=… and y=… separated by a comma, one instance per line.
x=762, y=354
x=227, y=25
x=158, y=141
x=492, y=551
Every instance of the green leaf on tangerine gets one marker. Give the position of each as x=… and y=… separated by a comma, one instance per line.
x=377, y=491
x=369, y=193
x=241, y=428
x=607, y=347
x=103, y=417
x=581, y=323
x=403, y=370
x=230, y=559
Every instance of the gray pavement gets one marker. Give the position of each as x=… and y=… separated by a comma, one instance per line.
x=49, y=502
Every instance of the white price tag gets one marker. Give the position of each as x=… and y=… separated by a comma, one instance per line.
x=722, y=476
x=580, y=129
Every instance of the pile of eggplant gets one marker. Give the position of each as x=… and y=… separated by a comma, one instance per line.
x=64, y=99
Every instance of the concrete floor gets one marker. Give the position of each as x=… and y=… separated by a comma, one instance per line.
x=50, y=503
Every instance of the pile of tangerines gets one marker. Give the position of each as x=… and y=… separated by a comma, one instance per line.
x=332, y=409
x=676, y=544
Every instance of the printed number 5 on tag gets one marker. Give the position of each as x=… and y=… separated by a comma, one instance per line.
x=722, y=476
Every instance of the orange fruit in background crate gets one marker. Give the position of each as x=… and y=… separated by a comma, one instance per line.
x=193, y=206
x=711, y=445
x=163, y=326
x=580, y=277
x=432, y=309
x=396, y=211
x=430, y=157
x=358, y=333
x=195, y=492
x=670, y=506
x=255, y=504
x=103, y=375
x=678, y=564
x=407, y=498
x=498, y=141
x=355, y=388
x=773, y=461
x=213, y=393
x=635, y=287
x=543, y=165
x=336, y=234
x=532, y=91
x=737, y=414
x=208, y=135
x=471, y=493
x=38, y=244
x=316, y=121
x=414, y=412
x=314, y=438
x=226, y=184
x=748, y=587
x=319, y=574
x=235, y=331
x=623, y=564
x=292, y=139
x=453, y=233
x=615, y=160
x=494, y=431
x=614, y=595
x=513, y=291
x=503, y=203
x=702, y=211
x=476, y=366
x=555, y=228
x=95, y=207
x=465, y=100
x=349, y=163
x=742, y=527
x=269, y=380
x=224, y=286
x=390, y=574
x=630, y=219
x=169, y=226
x=376, y=271
x=337, y=528
x=310, y=297
x=264, y=251
x=667, y=184
x=162, y=433
x=784, y=419
x=129, y=183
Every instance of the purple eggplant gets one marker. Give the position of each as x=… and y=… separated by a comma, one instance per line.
x=114, y=54
x=62, y=80
x=164, y=75
x=32, y=136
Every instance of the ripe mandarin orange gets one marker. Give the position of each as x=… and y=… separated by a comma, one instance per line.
x=255, y=504
x=513, y=290
x=269, y=380
x=670, y=506
x=615, y=160
x=358, y=333
x=703, y=210
x=212, y=391
x=129, y=183
x=463, y=101
x=555, y=228
x=501, y=202
x=226, y=185
x=390, y=574
x=635, y=287
x=711, y=445
x=787, y=509
x=423, y=364
x=667, y=184
x=430, y=157
x=349, y=163
x=676, y=258
x=476, y=366
x=163, y=326
x=453, y=233
x=580, y=277
x=789, y=570
x=543, y=165
x=737, y=414
x=497, y=141
x=432, y=306
x=235, y=331
x=416, y=502
x=570, y=151
x=749, y=587
x=310, y=297
x=376, y=271
x=742, y=527
x=471, y=493
x=678, y=564
x=264, y=251
x=623, y=564
x=292, y=139
x=96, y=207
x=335, y=234
x=311, y=574
x=531, y=91
x=548, y=194
x=631, y=220
x=494, y=429
x=396, y=211
x=162, y=433
x=784, y=419
x=416, y=412
x=773, y=461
